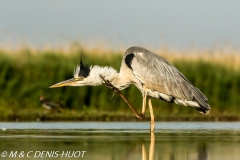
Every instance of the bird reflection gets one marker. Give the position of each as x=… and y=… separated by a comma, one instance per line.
x=171, y=150
x=151, y=148
x=139, y=151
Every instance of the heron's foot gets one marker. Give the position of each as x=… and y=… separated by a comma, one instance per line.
x=140, y=116
x=109, y=85
x=152, y=125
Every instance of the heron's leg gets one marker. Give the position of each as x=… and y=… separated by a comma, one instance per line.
x=116, y=90
x=144, y=104
x=138, y=115
x=152, y=123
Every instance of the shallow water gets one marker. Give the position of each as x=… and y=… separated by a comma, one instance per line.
x=120, y=140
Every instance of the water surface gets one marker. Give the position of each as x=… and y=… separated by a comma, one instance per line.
x=121, y=140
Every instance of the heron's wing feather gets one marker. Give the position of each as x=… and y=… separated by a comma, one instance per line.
x=159, y=75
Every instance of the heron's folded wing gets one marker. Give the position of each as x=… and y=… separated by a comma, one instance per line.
x=159, y=75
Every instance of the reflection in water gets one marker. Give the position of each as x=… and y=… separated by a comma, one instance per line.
x=151, y=148
x=126, y=145
x=198, y=151
x=202, y=151
x=201, y=148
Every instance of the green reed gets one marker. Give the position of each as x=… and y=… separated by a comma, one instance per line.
x=25, y=76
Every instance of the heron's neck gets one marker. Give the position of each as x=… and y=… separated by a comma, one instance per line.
x=108, y=73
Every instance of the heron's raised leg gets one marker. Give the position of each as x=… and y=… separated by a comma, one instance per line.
x=117, y=91
x=152, y=123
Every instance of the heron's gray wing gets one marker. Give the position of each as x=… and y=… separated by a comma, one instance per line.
x=159, y=75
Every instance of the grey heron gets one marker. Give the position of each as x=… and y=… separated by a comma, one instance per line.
x=150, y=73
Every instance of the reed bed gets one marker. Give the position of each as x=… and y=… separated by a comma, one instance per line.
x=26, y=74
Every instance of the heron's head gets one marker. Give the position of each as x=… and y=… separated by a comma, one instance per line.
x=80, y=76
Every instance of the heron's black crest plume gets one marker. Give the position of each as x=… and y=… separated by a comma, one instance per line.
x=84, y=69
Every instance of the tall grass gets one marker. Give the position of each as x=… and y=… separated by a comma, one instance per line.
x=26, y=74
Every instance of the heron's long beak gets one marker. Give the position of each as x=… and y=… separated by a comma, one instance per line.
x=69, y=82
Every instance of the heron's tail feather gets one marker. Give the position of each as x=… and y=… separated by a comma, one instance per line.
x=202, y=100
x=202, y=110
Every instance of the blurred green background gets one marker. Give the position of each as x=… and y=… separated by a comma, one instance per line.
x=26, y=74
